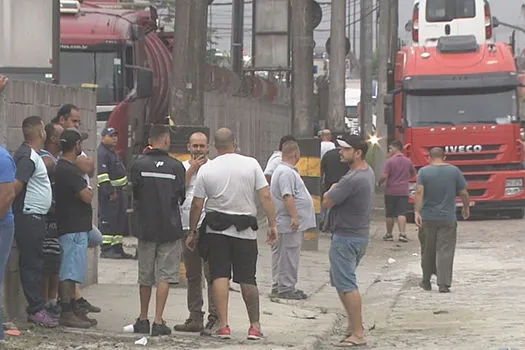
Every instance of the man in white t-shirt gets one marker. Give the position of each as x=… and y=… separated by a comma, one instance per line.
x=230, y=184
x=276, y=157
x=326, y=142
x=198, y=148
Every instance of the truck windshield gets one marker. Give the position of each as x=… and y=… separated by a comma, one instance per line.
x=86, y=68
x=490, y=107
x=447, y=10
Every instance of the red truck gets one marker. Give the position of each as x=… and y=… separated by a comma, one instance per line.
x=117, y=50
x=463, y=96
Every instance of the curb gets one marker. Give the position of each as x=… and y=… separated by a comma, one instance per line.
x=315, y=342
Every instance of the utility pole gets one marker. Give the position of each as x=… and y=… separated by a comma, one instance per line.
x=302, y=68
x=337, y=66
x=367, y=54
x=237, y=36
x=383, y=59
x=354, y=22
x=189, y=55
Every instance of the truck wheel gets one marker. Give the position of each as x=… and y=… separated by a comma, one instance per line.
x=517, y=213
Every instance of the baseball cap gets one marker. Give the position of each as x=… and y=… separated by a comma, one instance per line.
x=71, y=136
x=352, y=141
x=109, y=131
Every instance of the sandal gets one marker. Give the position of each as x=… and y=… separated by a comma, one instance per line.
x=347, y=343
x=388, y=237
x=403, y=238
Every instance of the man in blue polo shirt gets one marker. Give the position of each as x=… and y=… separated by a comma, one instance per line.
x=31, y=205
x=7, y=224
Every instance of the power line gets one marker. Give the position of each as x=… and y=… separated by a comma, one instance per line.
x=354, y=22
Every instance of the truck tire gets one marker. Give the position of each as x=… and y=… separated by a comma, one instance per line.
x=517, y=213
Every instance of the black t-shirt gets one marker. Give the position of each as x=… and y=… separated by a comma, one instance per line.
x=332, y=168
x=72, y=214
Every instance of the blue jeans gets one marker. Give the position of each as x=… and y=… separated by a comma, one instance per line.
x=94, y=237
x=345, y=254
x=7, y=231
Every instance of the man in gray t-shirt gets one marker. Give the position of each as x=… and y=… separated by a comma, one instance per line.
x=438, y=184
x=350, y=201
x=295, y=214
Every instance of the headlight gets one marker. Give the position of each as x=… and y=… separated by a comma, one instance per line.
x=514, y=183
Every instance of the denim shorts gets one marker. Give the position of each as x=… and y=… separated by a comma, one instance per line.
x=94, y=237
x=74, y=256
x=345, y=254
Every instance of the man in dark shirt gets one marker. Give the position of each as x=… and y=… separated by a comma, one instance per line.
x=74, y=220
x=159, y=189
x=332, y=170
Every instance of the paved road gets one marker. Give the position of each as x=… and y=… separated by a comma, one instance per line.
x=484, y=311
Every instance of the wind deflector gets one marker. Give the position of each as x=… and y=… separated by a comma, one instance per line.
x=457, y=44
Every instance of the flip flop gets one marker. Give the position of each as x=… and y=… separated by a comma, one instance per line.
x=346, y=343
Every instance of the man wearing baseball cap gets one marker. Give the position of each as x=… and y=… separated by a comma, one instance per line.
x=74, y=220
x=350, y=203
x=112, y=196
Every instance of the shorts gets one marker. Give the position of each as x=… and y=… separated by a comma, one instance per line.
x=94, y=237
x=227, y=253
x=52, y=256
x=345, y=254
x=396, y=206
x=158, y=262
x=74, y=256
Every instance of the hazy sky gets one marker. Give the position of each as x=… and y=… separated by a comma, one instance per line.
x=506, y=10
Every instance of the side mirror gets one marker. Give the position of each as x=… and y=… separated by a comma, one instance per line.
x=388, y=99
x=495, y=22
x=144, y=83
x=408, y=26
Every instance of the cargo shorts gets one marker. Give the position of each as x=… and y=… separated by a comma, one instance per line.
x=159, y=262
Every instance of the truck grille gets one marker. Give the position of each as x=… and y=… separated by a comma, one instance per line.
x=471, y=156
x=476, y=193
x=477, y=177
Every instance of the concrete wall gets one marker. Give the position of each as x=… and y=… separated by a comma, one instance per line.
x=18, y=101
x=257, y=124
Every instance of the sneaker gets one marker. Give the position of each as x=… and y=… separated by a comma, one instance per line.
x=224, y=333
x=160, y=329
x=43, y=318
x=212, y=326
x=84, y=304
x=141, y=326
x=53, y=310
x=388, y=237
x=69, y=319
x=403, y=238
x=189, y=325
x=425, y=285
x=444, y=289
x=254, y=334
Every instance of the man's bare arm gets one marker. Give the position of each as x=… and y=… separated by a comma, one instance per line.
x=8, y=196
x=290, y=205
x=195, y=213
x=463, y=194
x=86, y=165
x=86, y=195
x=327, y=202
x=267, y=203
x=420, y=190
x=383, y=179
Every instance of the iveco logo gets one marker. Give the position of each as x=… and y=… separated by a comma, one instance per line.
x=463, y=149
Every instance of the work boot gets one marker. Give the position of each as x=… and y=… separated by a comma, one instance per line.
x=86, y=305
x=120, y=251
x=82, y=315
x=69, y=319
x=190, y=325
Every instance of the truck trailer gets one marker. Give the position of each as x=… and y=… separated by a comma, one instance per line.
x=463, y=96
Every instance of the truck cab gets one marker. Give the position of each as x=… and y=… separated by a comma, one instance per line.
x=463, y=96
x=432, y=19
